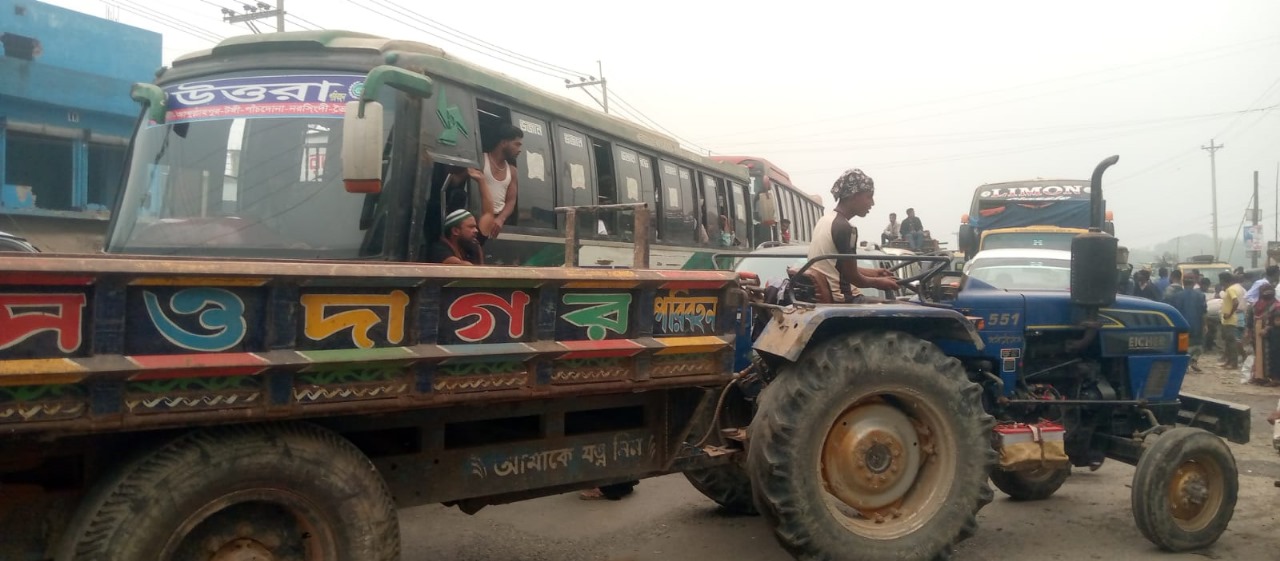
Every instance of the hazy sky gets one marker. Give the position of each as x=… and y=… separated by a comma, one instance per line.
x=931, y=99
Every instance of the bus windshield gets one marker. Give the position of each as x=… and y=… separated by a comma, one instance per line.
x=244, y=167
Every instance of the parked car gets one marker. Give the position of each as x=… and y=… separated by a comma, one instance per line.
x=1021, y=269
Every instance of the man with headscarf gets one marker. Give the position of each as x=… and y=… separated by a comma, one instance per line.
x=854, y=193
x=457, y=244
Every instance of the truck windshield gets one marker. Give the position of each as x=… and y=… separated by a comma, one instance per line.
x=1028, y=240
x=244, y=167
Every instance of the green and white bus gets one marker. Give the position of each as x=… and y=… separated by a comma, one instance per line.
x=239, y=153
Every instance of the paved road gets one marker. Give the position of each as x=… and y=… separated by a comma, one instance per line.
x=666, y=520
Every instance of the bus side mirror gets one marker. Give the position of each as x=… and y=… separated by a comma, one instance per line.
x=362, y=133
x=362, y=139
x=152, y=98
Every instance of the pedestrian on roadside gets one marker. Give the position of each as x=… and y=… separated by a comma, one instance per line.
x=1191, y=304
x=1232, y=320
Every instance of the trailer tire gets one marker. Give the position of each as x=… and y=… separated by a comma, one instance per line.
x=284, y=491
x=1185, y=489
x=858, y=407
x=1036, y=485
x=728, y=485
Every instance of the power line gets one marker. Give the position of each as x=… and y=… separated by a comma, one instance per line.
x=175, y=25
x=479, y=45
x=297, y=22
x=654, y=123
x=983, y=136
x=165, y=18
x=1260, y=99
x=1000, y=151
x=445, y=28
x=438, y=36
x=972, y=136
x=1058, y=82
x=304, y=20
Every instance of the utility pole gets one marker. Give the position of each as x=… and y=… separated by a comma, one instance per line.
x=592, y=81
x=1213, y=181
x=254, y=12
x=1253, y=252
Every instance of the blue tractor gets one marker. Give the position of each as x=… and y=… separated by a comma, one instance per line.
x=875, y=429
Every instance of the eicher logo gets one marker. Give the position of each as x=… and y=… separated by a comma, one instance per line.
x=1148, y=342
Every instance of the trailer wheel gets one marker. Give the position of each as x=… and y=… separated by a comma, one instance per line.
x=291, y=492
x=1184, y=489
x=728, y=485
x=1033, y=485
x=873, y=446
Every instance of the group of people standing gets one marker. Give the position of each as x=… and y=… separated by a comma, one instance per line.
x=1244, y=321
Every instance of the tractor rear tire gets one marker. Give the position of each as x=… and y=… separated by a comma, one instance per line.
x=1034, y=485
x=873, y=446
x=1184, y=489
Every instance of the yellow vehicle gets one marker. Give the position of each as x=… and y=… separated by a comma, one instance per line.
x=1208, y=265
x=1029, y=237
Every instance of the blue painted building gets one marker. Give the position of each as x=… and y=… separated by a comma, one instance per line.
x=65, y=117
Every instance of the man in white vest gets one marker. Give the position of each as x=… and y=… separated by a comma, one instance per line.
x=499, y=188
x=854, y=193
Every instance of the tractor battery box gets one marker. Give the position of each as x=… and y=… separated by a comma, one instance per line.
x=1031, y=446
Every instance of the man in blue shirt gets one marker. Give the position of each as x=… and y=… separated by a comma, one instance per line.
x=1191, y=303
x=1162, y=282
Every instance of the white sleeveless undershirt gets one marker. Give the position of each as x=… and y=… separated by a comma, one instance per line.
x=497, y=189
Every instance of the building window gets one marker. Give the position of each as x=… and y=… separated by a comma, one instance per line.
x=42, y=163
x=20, y=47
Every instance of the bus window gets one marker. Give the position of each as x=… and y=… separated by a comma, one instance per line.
x=626, y=165
x=738, y=196
x=679, y=224
x=573, y=160
x=606, y=223
x=805, y=229
x=764, y=207
x=650, y=193
x=784, y=209
x=536, y=197
x=452, y=136
x=712, y=210
x=797, y=221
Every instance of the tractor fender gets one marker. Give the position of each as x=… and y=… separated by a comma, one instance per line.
x=790, y=330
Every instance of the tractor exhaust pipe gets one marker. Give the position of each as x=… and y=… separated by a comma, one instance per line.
x=1097, y=214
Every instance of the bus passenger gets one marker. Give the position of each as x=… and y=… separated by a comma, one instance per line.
x=500, y=181
x=457, y=246
x=854, y=193
x=786, y=230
